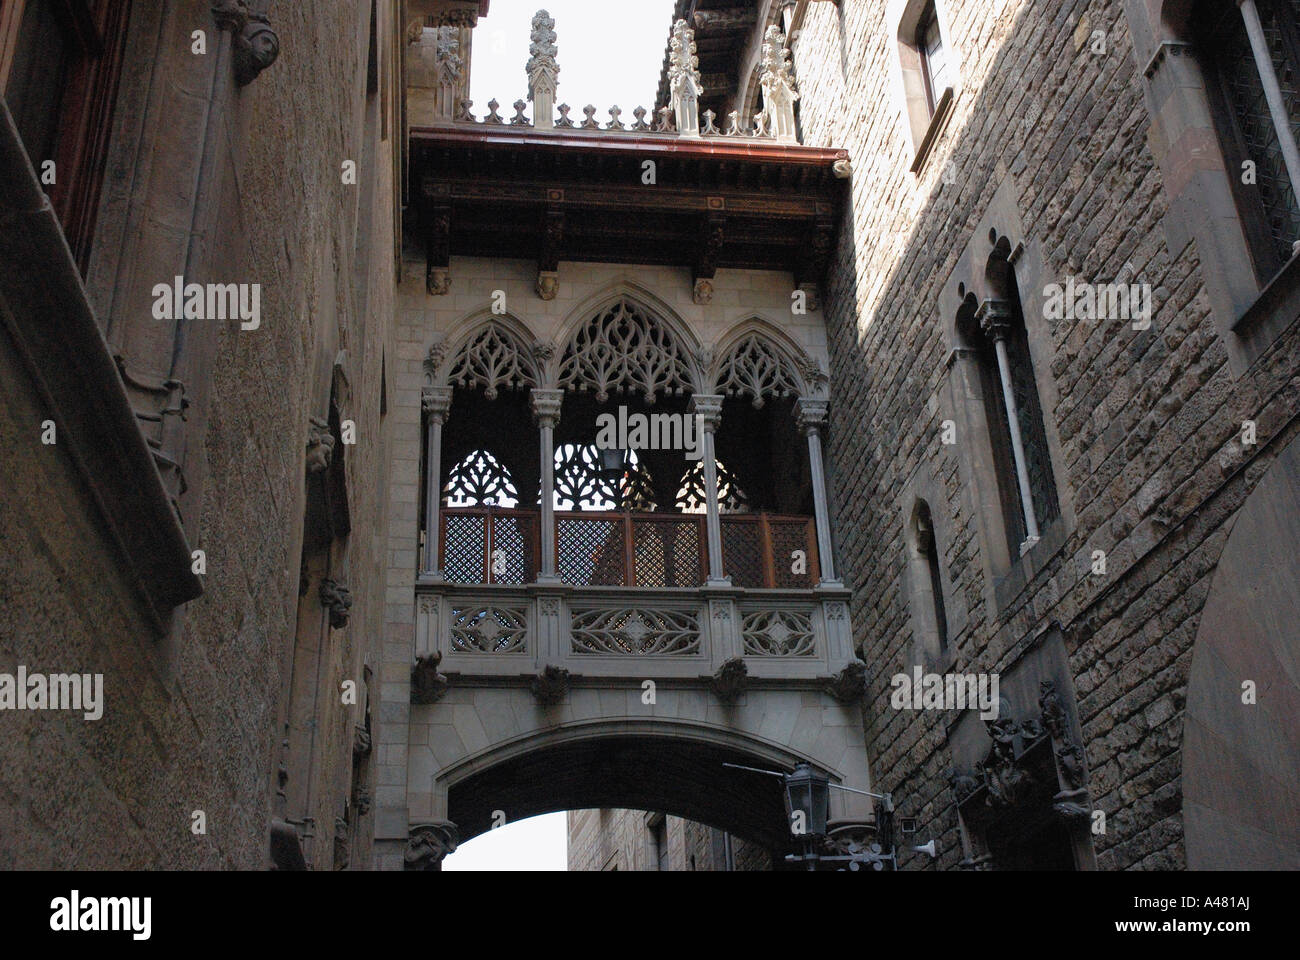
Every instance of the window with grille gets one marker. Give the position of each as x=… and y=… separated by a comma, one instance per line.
x=1265, y=196
x=59, y=66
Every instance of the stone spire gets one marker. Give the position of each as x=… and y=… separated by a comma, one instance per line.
x=779, y=90
x=684, y=80
x=543, y=71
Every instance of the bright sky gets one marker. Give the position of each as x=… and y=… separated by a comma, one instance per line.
x=605, y=59
x=538, y=843
x=611, y=52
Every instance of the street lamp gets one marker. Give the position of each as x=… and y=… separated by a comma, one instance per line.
x=807, y=801
x=612, y=461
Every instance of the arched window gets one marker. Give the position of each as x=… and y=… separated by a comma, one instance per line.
x=929, y=611
x=1014, y=412
x=1249, y=132
x=625, y=349
x=480, y=480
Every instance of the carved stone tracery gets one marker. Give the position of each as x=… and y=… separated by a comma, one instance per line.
x=778, y=633
x=625, y=349
x=754, y=368
x=494, y=359
x=636, y=631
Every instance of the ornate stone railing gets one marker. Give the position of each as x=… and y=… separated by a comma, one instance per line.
x=637, y=634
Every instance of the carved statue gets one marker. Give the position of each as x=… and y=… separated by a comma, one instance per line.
x=1053, y=711
x=360, y=743
x=427, y=684
x=336, y=598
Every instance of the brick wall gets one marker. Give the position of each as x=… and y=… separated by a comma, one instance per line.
x=1147, y=423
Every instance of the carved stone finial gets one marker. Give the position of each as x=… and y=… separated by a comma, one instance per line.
x=335, y=597
x=615, y=123
x=665, y=122
x=427, y=684
x=429, y=843
x=519, y=119
x=565, y=120
x=465, y=112
x=493, y=117
x=850, y=684
x=542, y=69
x=710, y=130
x=320, y=445
x=685, y=84
x=590, y=123
x=779, y=90
x=730, y=680
x=733, y=124
x=639, y=124
x=550, y=686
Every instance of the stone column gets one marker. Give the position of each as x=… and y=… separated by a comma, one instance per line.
x=708, y=415
x=1273, y=94
x=994, y=317
x=546, y=408
x=437, y=403
x=811, y=415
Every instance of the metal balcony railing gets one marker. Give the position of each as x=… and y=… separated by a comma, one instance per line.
x=491, y=545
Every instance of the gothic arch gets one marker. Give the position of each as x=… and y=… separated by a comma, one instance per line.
x=627, y=341
x=493, y=352
x=757, y=360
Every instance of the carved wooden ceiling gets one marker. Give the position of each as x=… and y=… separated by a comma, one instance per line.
x=581, y=196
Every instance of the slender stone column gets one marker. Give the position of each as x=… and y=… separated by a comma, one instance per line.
x=708, y=411
x=1273, y=94
x=811, y=415
x=546, y=408
x=994, y=317
x=437, y=403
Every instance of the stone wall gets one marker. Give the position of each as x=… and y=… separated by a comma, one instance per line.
x=1146, y=424
x=194, y=717
x=623, y=840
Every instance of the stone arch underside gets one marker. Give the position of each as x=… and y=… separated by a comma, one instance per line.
x=684, y=778
x=1241, y=762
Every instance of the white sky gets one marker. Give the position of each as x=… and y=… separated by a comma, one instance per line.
x=606, y=58
x=539, y=843
x=611, y=52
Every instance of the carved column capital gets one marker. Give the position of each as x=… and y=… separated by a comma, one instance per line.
x=436, y=402
x=994, y=318
x=810, y=413
x=546, y=406
x=709, y=407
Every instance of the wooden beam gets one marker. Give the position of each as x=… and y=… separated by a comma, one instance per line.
x=729, y=20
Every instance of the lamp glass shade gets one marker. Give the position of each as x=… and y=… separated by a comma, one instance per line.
x=611, y=462
x=807, y=792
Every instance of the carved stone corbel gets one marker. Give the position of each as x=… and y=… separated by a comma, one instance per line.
x=427, y=684
x=256, y=47
x=730, y=680
x=713, y=235
x=548, y=259
x=429, y=843
x=336, y=598
x=437, y=276
x=850, y=684
x=551, y=686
